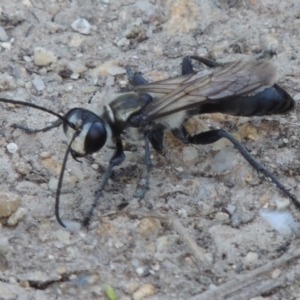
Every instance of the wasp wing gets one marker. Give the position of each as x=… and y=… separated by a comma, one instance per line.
x=240, y=78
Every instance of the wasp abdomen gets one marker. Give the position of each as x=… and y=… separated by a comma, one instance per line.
x=273, y=100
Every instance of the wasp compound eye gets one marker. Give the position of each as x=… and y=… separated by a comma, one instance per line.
x=95, y=138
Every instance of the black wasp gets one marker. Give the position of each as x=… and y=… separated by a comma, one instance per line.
x=246, y=87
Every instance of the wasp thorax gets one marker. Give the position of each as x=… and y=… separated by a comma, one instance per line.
x=92, y=131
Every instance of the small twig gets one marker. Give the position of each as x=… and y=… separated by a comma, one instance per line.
x=293, y=74
x=197, y=251
x=239, y=282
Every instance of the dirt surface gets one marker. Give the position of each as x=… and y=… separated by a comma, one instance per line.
x=209, y=230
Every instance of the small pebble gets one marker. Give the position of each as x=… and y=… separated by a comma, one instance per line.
x=53, y=182
x=123, y=42
x=12, y=148
x=116, y=70
x=6, y=45
x=61, y=270
x=43, y=57
x=110, y=80
x=222, y=217
x=62, y=235
x=140, y=271
x=282, y=221
x=3, y=35
x=223, y=160
x=45, y=155
x=132, y=287
x=4, y=245
x=250, y=259
x=162, y=243
x=95, y=166
x=9, y=203
x=275, y=274
x=82, y=26
x=190, y=156
x=148, y=227
x=182, y=213
x=282, y=203
x=144, y=291
x=38, y=83
x=74, y=76
x=23, y=168
x=7, y=82
x=231, y=208
x=77, y=66
x=17, y=216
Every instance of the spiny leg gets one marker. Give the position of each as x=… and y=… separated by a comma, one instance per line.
x=206, y=61
x=117, y=158
x=154, y=136
x=267, y=54
x=142, y=188
x=209, y=137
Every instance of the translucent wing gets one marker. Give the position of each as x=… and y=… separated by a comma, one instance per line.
x=240, y=78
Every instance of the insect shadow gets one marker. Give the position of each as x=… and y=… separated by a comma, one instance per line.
x=246, y=87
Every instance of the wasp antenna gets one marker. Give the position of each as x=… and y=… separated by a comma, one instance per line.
x=61, y=176
x=39, y=108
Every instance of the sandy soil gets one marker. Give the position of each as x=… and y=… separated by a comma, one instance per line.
x=205, y=229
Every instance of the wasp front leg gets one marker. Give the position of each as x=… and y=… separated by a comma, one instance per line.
x=116, y=159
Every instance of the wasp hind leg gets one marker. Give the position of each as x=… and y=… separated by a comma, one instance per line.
x=209, y=137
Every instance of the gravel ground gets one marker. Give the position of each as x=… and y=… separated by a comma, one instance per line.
x=205, y=229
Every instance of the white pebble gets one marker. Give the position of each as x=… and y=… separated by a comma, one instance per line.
x=95, y=166
x=38, y=83
x=75, y=76
x=123, y=42
x=81, y=25
x=282, y=221
x=53, y=182
x=182, y=213
x=222, y=217
x=116, y=70
x=45, y=154
x=3, y=35
x=12, y=148
x=275, y=274
x=27, y=58
x=4, y=245
x=6, y=45
x=72, y=226
x=140, y=271
x=250, y=259
x=16, y=217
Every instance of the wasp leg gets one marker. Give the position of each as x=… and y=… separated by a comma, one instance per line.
x=209, y=137
x=142, y=188
x=267, y=54
x=116, y=159
x=206, y=61
x=186, y=66
x=135, y=78
x=156, y=138
x=55, y=124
